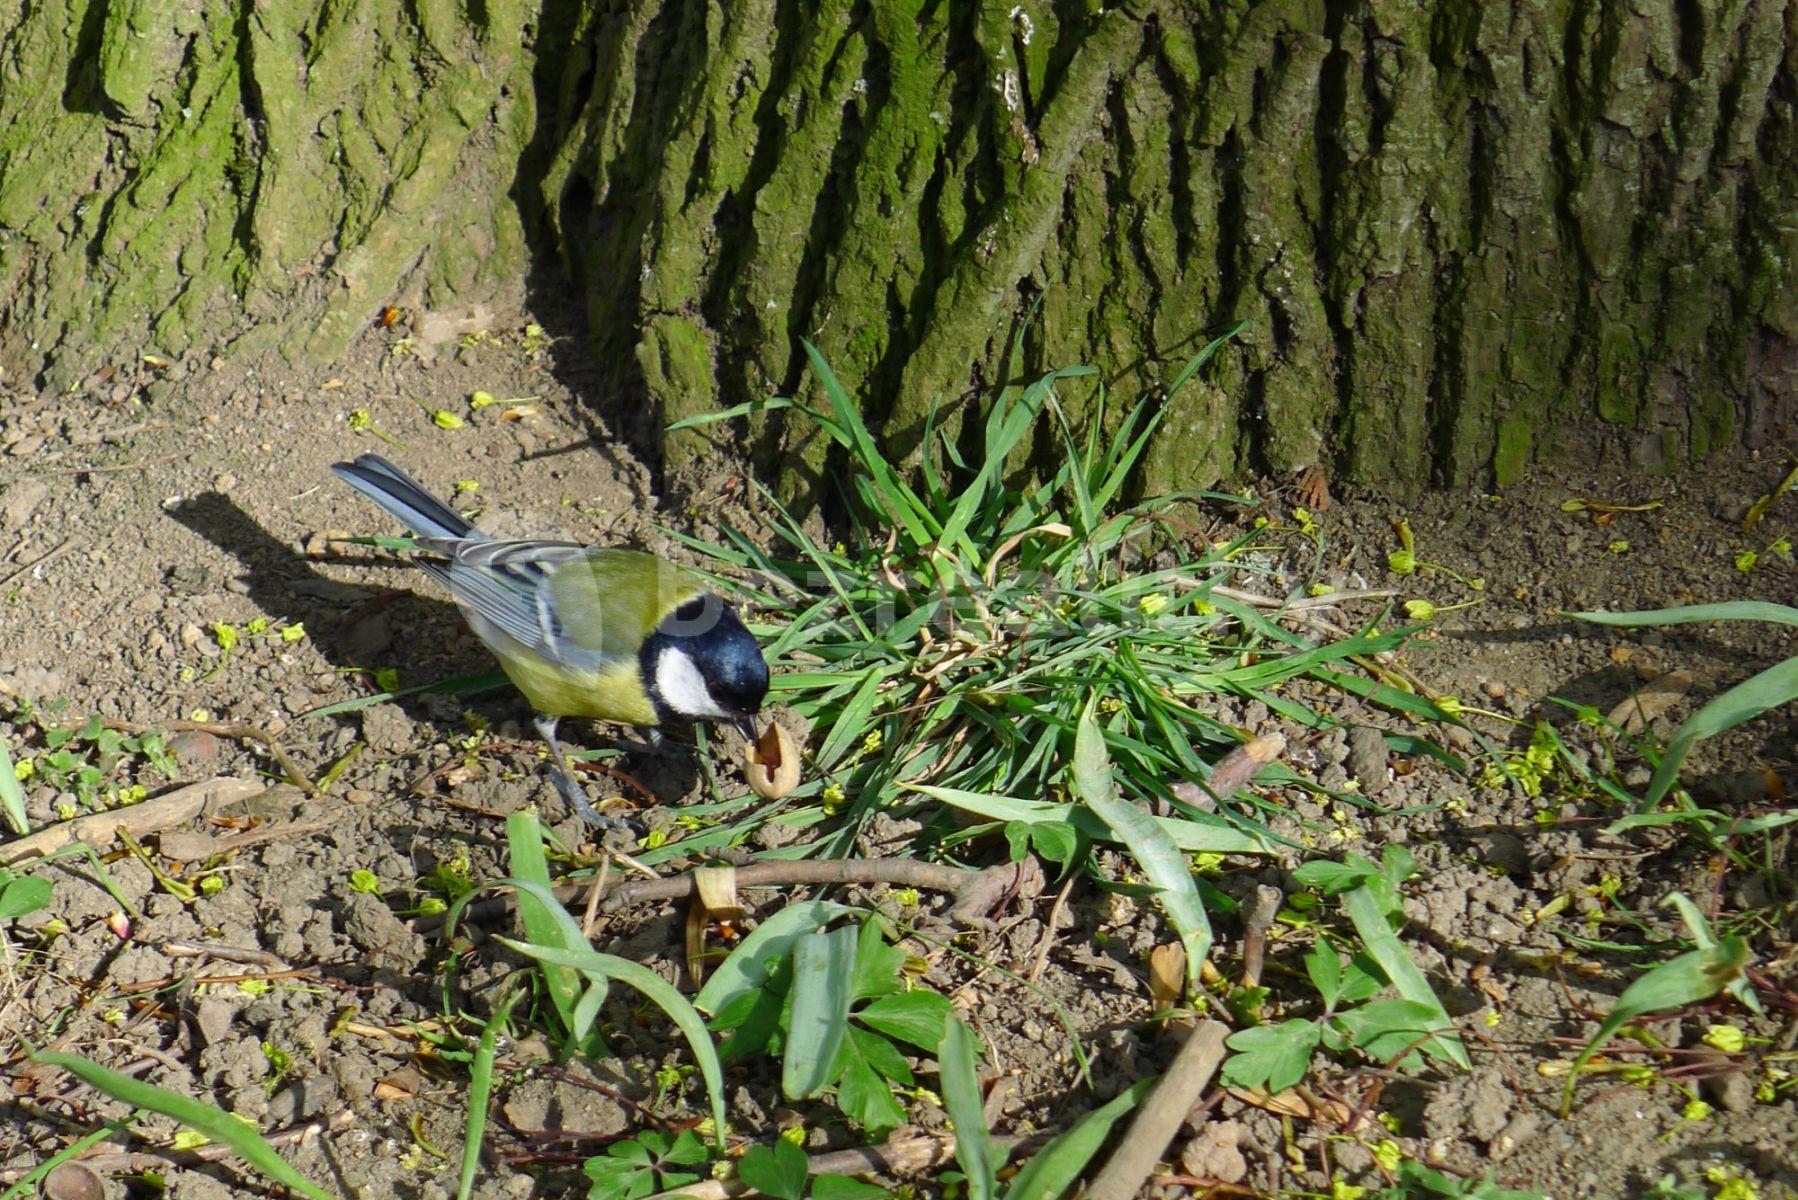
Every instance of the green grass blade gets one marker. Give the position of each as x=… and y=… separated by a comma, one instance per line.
x=27, y=1187
x=752, y=407
x=622, y=970
x=1385, y=948
x=1204, y=356
x=1775, y=686
x=12, y=796
x=1053, y=1169
x=1193, y=836
x=748, y=966
x=1166, y=868
x=524, y=839
x=1733, y=610
x=461, y=686
x=216, y=1124
x=823, y=965
x=961, y=1098
x=480, y=1091
x=900, y=502
x=1686, y=979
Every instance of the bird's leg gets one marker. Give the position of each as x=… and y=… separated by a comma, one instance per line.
x=567, y=787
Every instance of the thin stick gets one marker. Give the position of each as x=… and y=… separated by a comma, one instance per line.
x=152, y=816
x=1048, y=938
x=43, y=560
x=1160, y=1115
x=269, y=741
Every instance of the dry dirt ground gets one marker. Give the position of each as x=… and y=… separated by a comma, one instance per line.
x=162, y=499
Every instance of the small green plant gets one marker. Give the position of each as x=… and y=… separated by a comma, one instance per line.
x=650, y=1162
x=102, y=767
x=954, y=639
x=22, y=894
x=836, y=1010
x=1386, y=1030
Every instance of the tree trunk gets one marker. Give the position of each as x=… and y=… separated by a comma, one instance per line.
x=1456, y=230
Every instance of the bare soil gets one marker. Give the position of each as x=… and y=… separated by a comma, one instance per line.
x=159, y=500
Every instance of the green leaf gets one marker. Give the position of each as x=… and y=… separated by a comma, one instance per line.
x=777, y=1170
x=524, y=841
x=1685, y=979
x=1324, y=966
x=1197, y=837
x=1733, y=610
x=21, y=894
x=1053, y=1169
x=1271, y=1056
x=865, y=1097
x=1771, y=688
x=1365, y=910
x=1155, y=852
x=216, y=1124
x=749, y=964
x=1385, y=1029
x=842, y=1187
x=12, y=796
x=480, y=1090
x=961, y=1097
x=595, y=965
x=823, y=965
x=916, y=1016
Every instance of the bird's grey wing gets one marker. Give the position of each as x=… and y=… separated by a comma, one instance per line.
x=506, y=584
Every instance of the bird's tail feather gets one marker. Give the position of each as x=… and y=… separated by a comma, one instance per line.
x=403, y=498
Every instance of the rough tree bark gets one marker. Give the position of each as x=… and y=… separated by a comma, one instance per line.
x=1455, y=229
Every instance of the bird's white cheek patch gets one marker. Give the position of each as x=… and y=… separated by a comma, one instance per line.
x=683, y=687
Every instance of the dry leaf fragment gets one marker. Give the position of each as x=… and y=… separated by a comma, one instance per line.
x=1642, y=709
x=1167, y=976
x=772, y=764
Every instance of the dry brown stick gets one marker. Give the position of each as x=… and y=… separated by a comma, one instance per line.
x=972, y=889
x=152, y=816
x=898, y=1156
x=247, y=955
x=144, y=465
x=43, y=560
x=1048, y=939
x=1260, y=918
x=1160, y=1116
x=270, y=742
x=1232, y=771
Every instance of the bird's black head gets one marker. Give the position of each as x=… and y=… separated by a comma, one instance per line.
x=701, y=664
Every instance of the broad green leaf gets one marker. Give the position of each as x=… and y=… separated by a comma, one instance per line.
x=1193, y=836
x=216, y=1124
x=1053, y=1169
x=777, y=1170
x=1324, y=966
x=866, y=1098
x=843, y=1187
x=974, y=1149
x=524, y=842
x=1155, y=852
x=1365, y=910
x=1271, y=1056
x=916, y=1016
x=1386, y=1029
x=22, y=894
x=823, y=966
x=747, y=967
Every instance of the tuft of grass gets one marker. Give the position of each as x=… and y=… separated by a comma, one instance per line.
x=953, y=638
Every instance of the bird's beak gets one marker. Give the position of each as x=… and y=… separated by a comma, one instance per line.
x=746, y=727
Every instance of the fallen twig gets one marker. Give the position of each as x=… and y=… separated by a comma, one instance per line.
x=899, y=1155
x=1231, y=772
x=1259, y=919
x=976, y=892
x=152, y=816
x=43, y=560
x=1160, y=1116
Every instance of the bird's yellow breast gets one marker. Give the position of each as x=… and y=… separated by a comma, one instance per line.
x=615, y=692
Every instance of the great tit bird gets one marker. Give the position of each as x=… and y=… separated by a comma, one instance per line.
x=613, y=635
